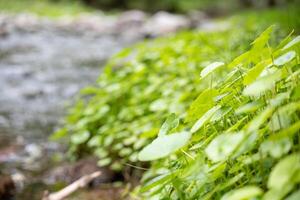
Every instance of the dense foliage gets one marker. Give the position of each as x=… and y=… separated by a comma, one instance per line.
x=221, y=125
x=242, y=141
x=138, y=89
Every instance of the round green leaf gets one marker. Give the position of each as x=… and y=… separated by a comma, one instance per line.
x=210, y=68
x=244, y=193
x=292, y=43
x=223, y=146
x=282, y=174
x=263, y=84
x=80, y=137
x=164, y=145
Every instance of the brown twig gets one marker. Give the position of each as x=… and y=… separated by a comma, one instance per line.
x=80, y=183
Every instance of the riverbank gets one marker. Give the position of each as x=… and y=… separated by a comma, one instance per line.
x=43, y=65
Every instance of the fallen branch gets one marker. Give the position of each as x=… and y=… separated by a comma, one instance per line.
x=80, y=183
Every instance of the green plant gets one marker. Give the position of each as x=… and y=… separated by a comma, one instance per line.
x=141, y=85
x=223, y=140
x=137, y=90
x=240, y=137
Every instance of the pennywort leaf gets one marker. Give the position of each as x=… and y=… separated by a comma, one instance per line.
x=247, y=192
x=263, y=84
x=223, y=146
x=285, y=58
x=284, y=171
x=210, y=68
x=164, y=145
x=295, y=41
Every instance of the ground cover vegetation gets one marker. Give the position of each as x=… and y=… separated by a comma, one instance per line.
x=240, y=137
x=211, y=115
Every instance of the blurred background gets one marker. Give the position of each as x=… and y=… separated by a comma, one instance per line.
x=50, y=49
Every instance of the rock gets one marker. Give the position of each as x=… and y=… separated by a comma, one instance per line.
x=131, y=18
x=93, y=24
x=7, y=187
x=8, y=148
x=34, y=151
x=211, y=26
x=8, y=153
x=4, y=123
x=197, y=17
x=163, y=23
x=19, y=180
x=3, y=32
x=130, y=24
x=27, y=22
x=31, y=91
x=30, y=157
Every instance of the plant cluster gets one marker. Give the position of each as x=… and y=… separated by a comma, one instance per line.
x=240, y=138
x=221, y=126
x=116, y=118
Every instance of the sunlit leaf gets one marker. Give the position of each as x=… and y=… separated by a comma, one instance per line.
x=279, y=99
x=223, y=146
x=210, y=68
x=164, y=145
x=80, y=137
x=104, y=162
x=94, y=141
x=158, y=105
x=247, y=192
x=59, y=134
x=295, y=41
x=219, y=114
x=276, y=148
x=249, y=107
x=285, y=58
x=277, y=194
x=262, y=84
x=284, y=171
